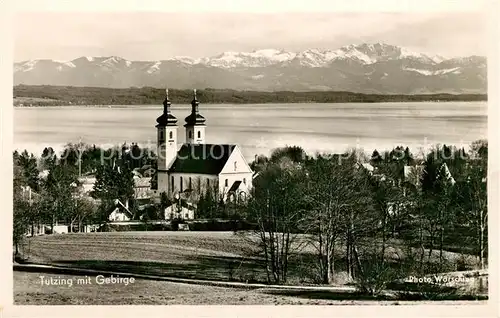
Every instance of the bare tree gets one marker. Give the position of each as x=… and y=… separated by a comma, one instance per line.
x=474, y=199
x=330, y=194
x=84, y=210
x=275, y=207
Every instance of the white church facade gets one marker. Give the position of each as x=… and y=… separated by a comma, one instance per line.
x=196, y=166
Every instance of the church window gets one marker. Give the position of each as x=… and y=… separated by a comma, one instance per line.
x=190, y=134
x=235, y=166
x=226, y=182
x=244, y=180
x=172, y=179
x=171, y=135
x=182, y=188
x=199, y=134
x=190, y=184
x=208, y=183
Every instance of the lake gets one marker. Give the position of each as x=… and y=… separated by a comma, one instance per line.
x=259, y=128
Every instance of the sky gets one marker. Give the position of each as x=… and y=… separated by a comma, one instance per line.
x=160, y=35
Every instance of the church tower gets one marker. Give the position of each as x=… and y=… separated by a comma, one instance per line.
x=166, y=145
x=195, y=124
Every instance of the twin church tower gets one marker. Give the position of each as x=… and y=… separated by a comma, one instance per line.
x=167, y=132
x=196, y=165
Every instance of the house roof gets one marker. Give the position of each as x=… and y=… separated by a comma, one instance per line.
x=87, y=179
x=136, y=173
x=184, y=204
x=43, y=174
x=418, y=169
x=202, y=158
x=235, y=186
x=120, y=207
x=446, y=173
x=368, y=167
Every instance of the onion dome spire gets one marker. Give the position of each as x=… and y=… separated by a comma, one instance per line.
x=195, y=118
x=166, y=119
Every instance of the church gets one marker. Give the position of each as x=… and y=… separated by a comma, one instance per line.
x=197, y=166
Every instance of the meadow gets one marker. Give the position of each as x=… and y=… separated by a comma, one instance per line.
x=218, y=256
x=222, y=256
x=200, y=255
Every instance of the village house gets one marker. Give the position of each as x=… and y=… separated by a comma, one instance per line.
x=120, y=213
x=142, y=188
x=180, y=210
x=144, y=171
x=87, y=184
x=197, y=166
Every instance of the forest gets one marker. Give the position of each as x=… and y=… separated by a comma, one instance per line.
x=27, y=95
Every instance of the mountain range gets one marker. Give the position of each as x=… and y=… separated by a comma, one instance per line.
x=365, y=68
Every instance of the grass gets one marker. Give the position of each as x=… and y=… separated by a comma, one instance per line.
x=220, y=256
x=29, y=291
x=201, y=255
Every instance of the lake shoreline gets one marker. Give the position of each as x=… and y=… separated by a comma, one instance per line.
x=231, y=104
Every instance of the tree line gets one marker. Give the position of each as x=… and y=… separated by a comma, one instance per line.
x=69, y=95
x=48, y=189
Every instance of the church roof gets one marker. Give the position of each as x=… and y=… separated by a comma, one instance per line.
x=202, y=158
x=166, y=119
x=195, y=119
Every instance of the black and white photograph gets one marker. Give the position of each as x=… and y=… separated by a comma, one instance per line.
x=251, y=158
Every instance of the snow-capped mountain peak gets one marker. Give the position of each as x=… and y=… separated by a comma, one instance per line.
x=312, y=58
x=406, y=53
x=256, y=58
x=364, y=54
x=69, y=64
x=27, y=66
x=112, y=60
x=184, y=59
x=154, y=68
x=356, y=53
x=366, y=67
